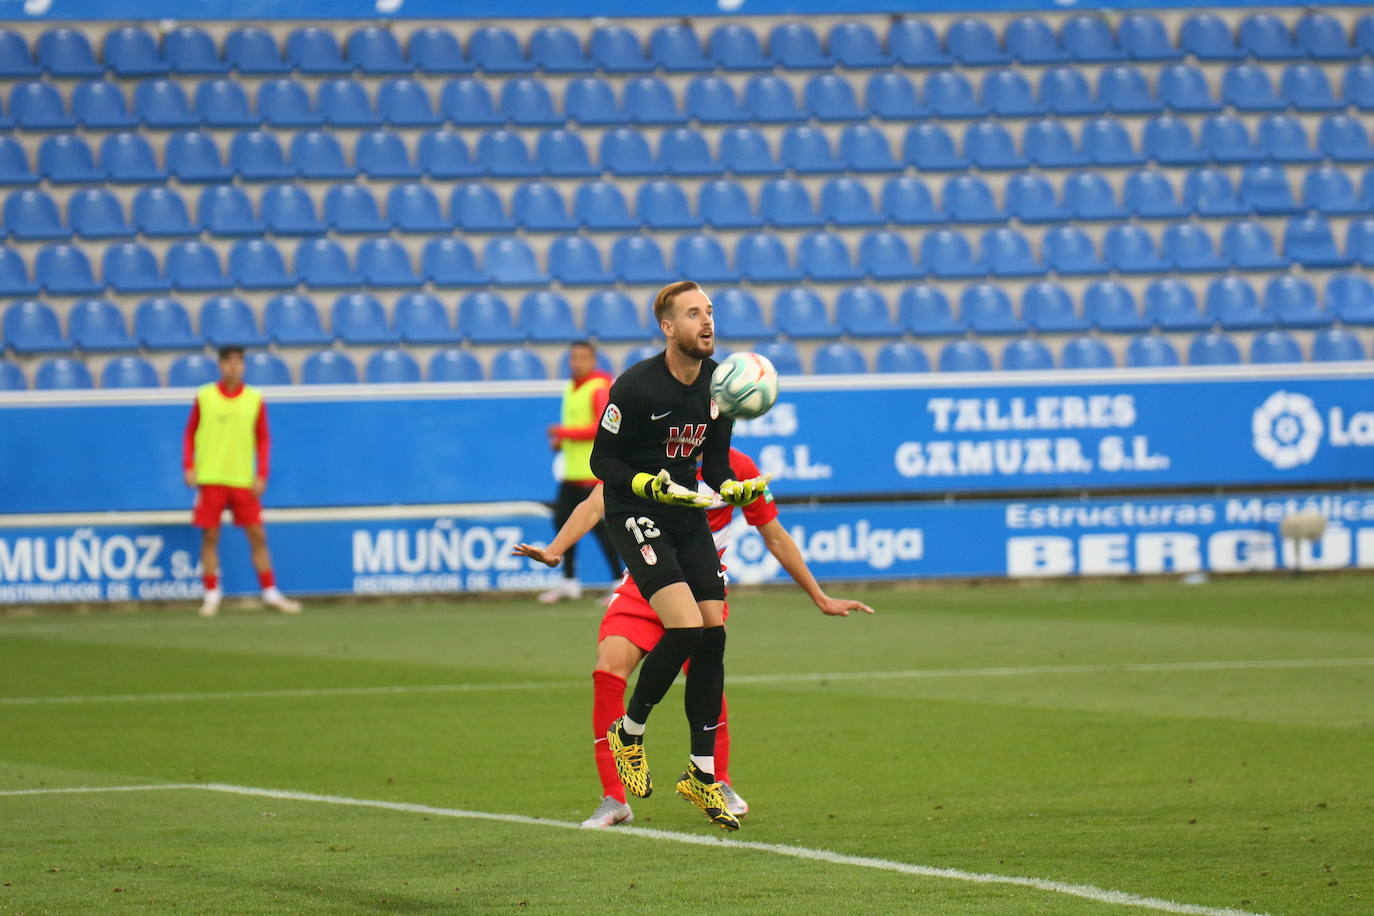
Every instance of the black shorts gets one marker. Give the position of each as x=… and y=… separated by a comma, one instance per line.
x=662, y=545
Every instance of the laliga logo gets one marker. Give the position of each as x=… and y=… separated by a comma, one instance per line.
x=1287, y=429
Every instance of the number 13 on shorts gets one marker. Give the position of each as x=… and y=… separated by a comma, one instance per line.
x=643, y=528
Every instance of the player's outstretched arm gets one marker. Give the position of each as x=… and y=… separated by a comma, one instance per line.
x=583, y=519
x=781, y=545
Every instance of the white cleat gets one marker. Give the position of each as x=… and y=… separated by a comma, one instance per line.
x=209, y=607
x=566, y=589
x=275, y=599
x=733, y=803
x=608, y=814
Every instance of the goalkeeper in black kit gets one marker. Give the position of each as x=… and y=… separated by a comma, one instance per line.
x=659, y=419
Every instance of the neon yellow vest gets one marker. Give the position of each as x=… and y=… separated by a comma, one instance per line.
x=226, y=439
x=577, y=411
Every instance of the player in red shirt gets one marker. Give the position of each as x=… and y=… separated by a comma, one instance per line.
x=630, y=628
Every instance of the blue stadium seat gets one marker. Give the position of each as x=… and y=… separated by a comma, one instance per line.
x=1293, y=301
x=761, y=257
x=32, y=327
x=510, y=262
x=15, y=59
x=795, y=46
x=447, y=261
x=1336, y=345
x=1106, y=142
x=1110, y=306
x=1068, y=250
x=1143, y=37
x=14, y=164
x=38, y=105
x=898, y=356
x=328, y=367
x=626, y=152
x=600, y=205
x=856, y=46
x=1171, y=305
x=285, y=103
x=712, y=100
x=162, y=324
x=648, y=100
x=1323, y=37
x=924, y=311
x=375, y=50
x=676, y=49
x=496, y=50
x=786, y=202
x=293, y=321
x=251, y=50
x=1124, y=90
x=1089, y=196
x=886, y=256
x=1030, y=198
x=486, y=318
x=261, y=368
x=223, y=103
x=191, y=371
x=590, y=101
x=1029, y=40
x=1232, y=302
x=1359, y=241
x=1307, y=240
x=950, y=95
x=1265, y=189
x=1283, y=138
x=344, y=103
x=255, y=155
x=1306, y=88
x=435, y=52
x=985, y=309
x=907, y=201
x=964, y=356
x=616, y=49
x=62, y=373
x=744, y=151
x=161, y=104
x=129, y=267
x=562, y=154
x=414, y=208
x=1357, y=86
x=847, y=202
x=799, y=313
x=1248, y=245
x=972, y=42
x=784, y=356
x=1266, y=37
x=1006, y=93
x=1007, y=253
x=1275, y=346
x=193, y=156
x=32, y=215
x=913, y=43
x=829, y=97
x=546, y=317
x=391, y=366
x=839, y=358
x=1364, y=34
x=404, y=103
x=1047, y=143
x=12, y=377
x=1247, y=87
x=257, y=264
x=193, y=265
x=1048, y=308
x=1344, y=139
x=1350, y=297
x=806, y=149
x=322, y=263
x=526, y=102
x=865, y=149
x=684, y=151
x=128, y=372
x=358, y=318
x=1170, y=141
x=66, y=159
x=1189, y=247
x=702, y=256
x=861, y=311
x=450, y=365
x=1208, y=37
x=969, y=199
x=663, y=205
x=503, y=154
x=1086, y=353
x=725, y=205
x=64, y=270
x=476, y=207
x=946, y=253
x=1150, y=351
x=1064, y=90
x=537, y=206
x=422, y=319
x=64, y=52
x=315, y=51
x=1227, y=140
x=736, y=47
x=161, y=212
x=467, y=103
x=1148, y=194
x=14, y=275
x=96, y=325
x=1026, y=354
x=226, y=210
x=638, y=259
x=382, y=154
x=1089, y=39
x=226, y=321
x=737, y=315
x=1209, y=192
x=989, y=146
x=385, y=262
x=517, y=364
x=612, y=315
x=1183, y=89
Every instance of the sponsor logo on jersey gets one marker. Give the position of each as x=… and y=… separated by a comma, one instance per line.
x=659, y=416
x=610, y=420
x=647, y=551
x=683, y=440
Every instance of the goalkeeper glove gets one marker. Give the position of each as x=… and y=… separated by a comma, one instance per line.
x=743, y=492
x=661, y=489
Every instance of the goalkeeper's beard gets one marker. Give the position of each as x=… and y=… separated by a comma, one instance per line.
x=694, y=350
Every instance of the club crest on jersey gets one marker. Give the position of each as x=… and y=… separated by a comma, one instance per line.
x=648, y=553
x=610, y=420
x=715, y=410
x=683, y=440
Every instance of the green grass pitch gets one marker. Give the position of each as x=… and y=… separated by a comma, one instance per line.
x=1079, y=733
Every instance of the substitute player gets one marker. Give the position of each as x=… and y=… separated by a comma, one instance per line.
x=659, y=419
x=225, y=436
x=630, y=629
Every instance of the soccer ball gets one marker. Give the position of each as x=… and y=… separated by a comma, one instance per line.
x=744, y=386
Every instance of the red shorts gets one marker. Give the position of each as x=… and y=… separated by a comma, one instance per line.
x=212, y=499
x=630, y=616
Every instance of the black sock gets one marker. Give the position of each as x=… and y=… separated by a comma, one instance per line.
x=705, y=684
x=659, y=669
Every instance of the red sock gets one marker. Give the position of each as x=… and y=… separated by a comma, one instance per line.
x=211, y=581
x=723, y=745
x=266, y=579
x=608, y=704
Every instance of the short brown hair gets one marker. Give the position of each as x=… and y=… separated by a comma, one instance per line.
x=664, y=300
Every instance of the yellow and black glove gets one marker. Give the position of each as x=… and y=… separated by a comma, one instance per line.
x=661, y=489
x=743, y=492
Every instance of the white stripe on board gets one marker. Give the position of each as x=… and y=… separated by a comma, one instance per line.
x=914, y=674
x=1083, y=891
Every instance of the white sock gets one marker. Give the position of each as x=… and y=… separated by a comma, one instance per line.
x=215, y=593
x=631, y=726
x=271, y=593
x=705, y=764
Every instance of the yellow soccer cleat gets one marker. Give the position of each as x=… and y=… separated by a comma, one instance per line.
x=630, y=764
x=706, y=796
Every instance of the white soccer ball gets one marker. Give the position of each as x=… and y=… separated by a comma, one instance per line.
x=744, y=386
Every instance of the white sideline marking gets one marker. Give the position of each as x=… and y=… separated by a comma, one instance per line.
x=914, y=674
x=1084, y=891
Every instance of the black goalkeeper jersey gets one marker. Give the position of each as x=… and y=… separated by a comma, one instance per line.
x=653, y=422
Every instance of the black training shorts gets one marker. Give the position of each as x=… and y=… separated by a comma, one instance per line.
x=662, y=545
